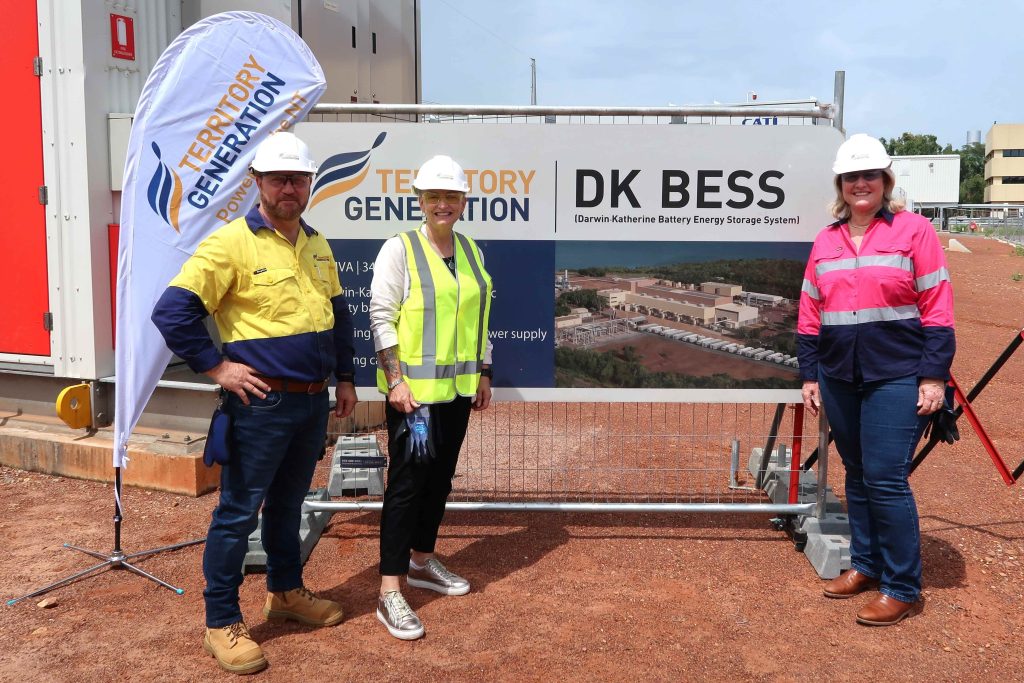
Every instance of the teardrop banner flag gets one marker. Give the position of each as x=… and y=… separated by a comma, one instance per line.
x=219, y=89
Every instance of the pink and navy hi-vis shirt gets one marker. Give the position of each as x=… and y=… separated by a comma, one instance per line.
x=882, y=312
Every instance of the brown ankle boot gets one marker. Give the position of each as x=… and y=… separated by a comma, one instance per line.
x=884, y=611
x=849, y=583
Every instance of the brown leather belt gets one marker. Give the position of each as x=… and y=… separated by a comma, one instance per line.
x=291, y=386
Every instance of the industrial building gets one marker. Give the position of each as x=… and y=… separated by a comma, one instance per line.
x=927, y=181
x=713, y=303
x=670, y=309
x=721, y=289
x=1004, y=163
x=735, y=316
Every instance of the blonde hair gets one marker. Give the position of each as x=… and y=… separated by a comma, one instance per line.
x=841, y=210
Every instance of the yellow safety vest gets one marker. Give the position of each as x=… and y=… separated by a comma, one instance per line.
x=442, y=325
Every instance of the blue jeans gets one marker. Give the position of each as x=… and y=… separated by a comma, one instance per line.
x=276, y=443
x=876, y=429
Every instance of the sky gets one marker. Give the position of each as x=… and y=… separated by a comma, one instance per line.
x=924, y=66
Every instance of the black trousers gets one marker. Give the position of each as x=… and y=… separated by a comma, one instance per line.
x=416, y=492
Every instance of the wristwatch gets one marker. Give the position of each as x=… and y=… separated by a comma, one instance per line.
x=487, y=372
x=392, y=385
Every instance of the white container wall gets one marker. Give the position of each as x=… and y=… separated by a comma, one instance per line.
x=369, y=49
x=929, y=180
x=155, y=24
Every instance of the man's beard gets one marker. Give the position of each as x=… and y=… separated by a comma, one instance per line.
x=289, y=213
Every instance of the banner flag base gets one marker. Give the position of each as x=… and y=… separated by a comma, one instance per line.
x=117, y=559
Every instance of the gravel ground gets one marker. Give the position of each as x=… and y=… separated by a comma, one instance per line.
x=574, y=597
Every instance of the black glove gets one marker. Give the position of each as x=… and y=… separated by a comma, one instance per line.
x=942, y=425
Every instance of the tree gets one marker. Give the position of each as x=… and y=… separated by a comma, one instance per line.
x=972, y=161
x=580, y=298
x=912, y=144
x=972, y=190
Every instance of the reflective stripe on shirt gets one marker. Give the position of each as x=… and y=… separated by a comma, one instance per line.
x=930, y=280
x=870, y=315
x=886, y=260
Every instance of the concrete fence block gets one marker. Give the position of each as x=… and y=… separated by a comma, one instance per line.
x=829, y=554
x=311, y=526
x=357, y=466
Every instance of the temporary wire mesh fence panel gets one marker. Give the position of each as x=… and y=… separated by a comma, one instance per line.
x=607, y=453
x=602, y=454
x=1005, y=222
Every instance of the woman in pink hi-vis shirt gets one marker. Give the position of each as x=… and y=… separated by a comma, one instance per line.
x=875, y=338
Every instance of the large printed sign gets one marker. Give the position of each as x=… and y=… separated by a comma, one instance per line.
x=217, y=91
x=646, y=262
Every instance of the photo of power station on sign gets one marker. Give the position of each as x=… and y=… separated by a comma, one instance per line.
x=696, y=315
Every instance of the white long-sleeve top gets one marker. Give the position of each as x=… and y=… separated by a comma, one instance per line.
x=389, y=288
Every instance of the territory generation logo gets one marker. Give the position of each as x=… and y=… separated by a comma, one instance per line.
x=165, y=192
x=342, y=172
x=495, y=194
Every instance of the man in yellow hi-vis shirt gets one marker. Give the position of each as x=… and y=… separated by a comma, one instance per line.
x=429, y=309
x=271, y=284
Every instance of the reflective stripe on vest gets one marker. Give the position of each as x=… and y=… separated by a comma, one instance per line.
x=442, y=324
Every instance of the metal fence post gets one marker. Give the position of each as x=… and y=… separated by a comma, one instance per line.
x=819, y=511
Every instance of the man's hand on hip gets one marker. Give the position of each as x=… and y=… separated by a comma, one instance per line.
x=345, y=395
x=239, y=379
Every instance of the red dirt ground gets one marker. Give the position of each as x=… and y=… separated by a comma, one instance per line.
x=574, y=597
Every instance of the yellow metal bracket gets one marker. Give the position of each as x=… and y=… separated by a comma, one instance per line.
x=74, y=406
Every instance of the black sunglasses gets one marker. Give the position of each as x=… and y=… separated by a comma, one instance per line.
x=869, y=176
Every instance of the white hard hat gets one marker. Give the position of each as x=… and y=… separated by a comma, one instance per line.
x=862, y=153
x=283, y=151
x=441, y=173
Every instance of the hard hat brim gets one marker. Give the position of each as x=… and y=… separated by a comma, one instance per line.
x=284, y=167
x=840, y=169
x=453, y=186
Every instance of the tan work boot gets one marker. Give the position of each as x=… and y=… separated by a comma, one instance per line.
x=234, y=649
x=301, y=605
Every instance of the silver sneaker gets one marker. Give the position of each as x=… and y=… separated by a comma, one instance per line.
x=394, y=612
x=436, y=577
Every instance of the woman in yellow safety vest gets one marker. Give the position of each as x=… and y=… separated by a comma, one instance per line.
x=429, y=310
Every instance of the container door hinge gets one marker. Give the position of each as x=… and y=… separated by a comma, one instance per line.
x=37, y=66
x=48, y=321
x=44, y=195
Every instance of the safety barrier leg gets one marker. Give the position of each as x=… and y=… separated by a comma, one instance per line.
x=975, y=391
x=1001, y=467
